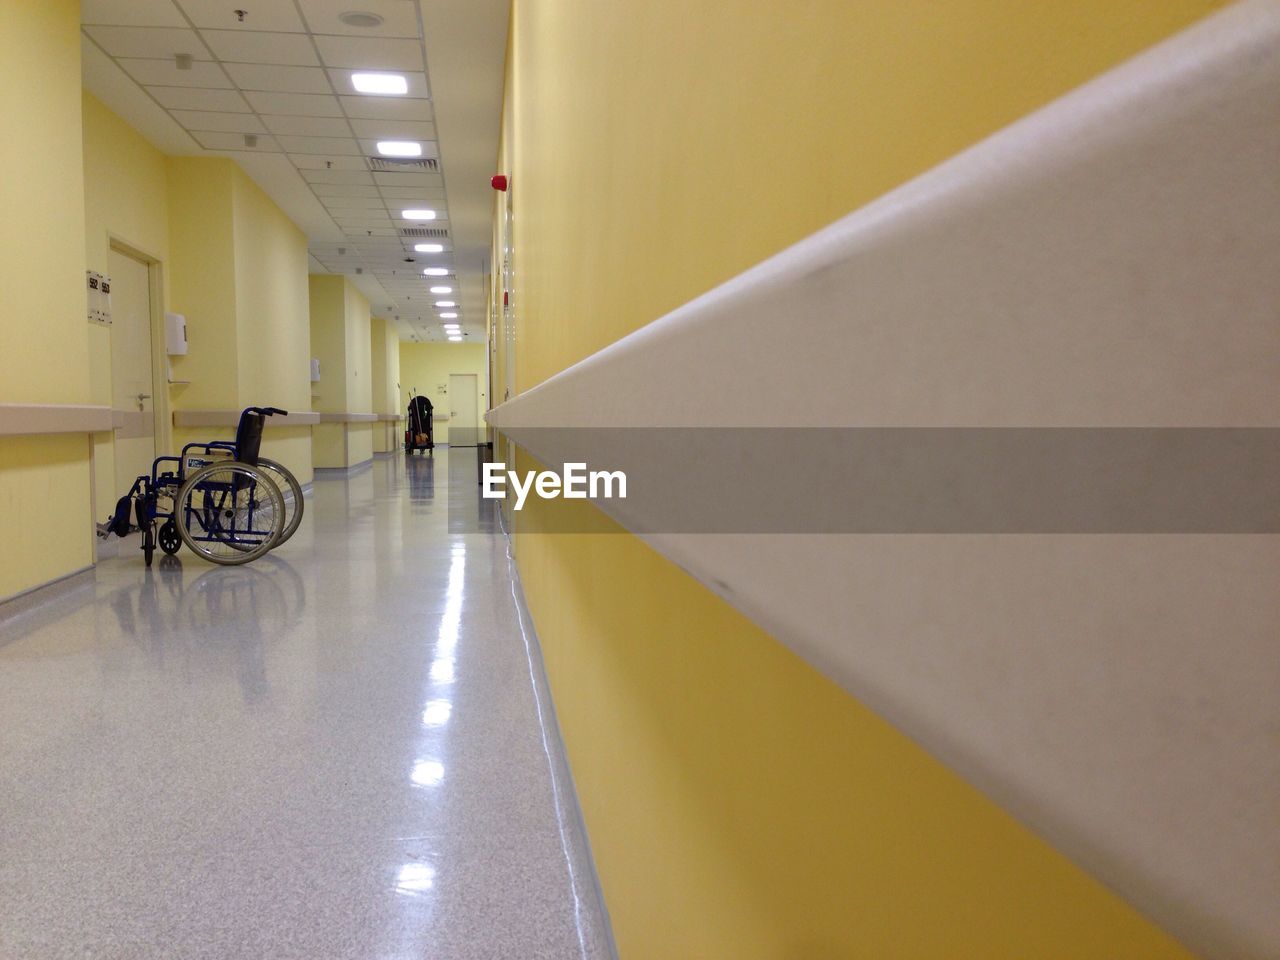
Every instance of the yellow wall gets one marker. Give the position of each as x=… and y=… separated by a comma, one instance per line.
x=425, y=368
x=341, y=339
x=384, y=358
x=656, y=149
x=125, y=201
x=45, y=358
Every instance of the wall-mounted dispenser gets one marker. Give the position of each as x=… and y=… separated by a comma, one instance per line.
x=315, y=371
x=175, y=334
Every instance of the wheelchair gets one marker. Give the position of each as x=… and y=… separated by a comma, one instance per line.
x=225, y=502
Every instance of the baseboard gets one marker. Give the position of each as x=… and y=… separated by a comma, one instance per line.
x=594, y=917
x=332, y=473
x=24, y=600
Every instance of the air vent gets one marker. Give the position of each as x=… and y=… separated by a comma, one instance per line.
x=425, y=233
x=407, y=165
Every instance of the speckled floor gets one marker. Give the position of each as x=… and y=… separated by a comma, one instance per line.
x=343, y=750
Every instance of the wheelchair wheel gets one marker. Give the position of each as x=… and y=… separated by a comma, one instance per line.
x=290, y=492
x=168, y=537
x=229, y=513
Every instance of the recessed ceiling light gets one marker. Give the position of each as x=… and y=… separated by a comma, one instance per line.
x=436, y=272
x=442, y=289
x=429, y=247
x=418, y=214
x=360, y=18
x=445, y=303
x=448, y=316
x=383, y=84
x=400, y=148
x=456, y=339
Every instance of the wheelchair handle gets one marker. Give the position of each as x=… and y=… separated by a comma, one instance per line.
x=270, y=411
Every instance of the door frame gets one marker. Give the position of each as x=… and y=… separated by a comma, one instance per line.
x=162, y=429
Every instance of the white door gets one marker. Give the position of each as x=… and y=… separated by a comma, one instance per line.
x=132, y=386
x=464, y=410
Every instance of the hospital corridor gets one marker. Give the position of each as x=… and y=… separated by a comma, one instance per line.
x=596, y=479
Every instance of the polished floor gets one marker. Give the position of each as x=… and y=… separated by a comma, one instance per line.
x=343, y=750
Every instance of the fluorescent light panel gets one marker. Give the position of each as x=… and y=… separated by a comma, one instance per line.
x=399, y=148
x=418, y=214
x=445, y=303
x=448, y=316
x=442, y=289
x=435, y=271
x=429, y=247
x=456, y=339
x=380, y=84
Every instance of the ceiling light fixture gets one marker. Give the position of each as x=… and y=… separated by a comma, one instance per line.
x=380, y=84
x=448, y=316
x=445, y=303
x=399, y=148
x=456, y=339
x=442, y=289
x=429, y=247
x=418, y=214
x=436, y=272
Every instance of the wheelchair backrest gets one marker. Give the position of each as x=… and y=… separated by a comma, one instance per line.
x=249, y=437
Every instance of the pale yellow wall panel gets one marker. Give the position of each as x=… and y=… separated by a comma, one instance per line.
x=202, y=280
x=359, y=442
x=329, y=446
x=46, y=529
x=358, y=346
x=271, y=301
x=290, y=446
x=328, y=342
x=43, y=314
x=656, y=150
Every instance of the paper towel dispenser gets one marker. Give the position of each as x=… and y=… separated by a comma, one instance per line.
x=175, y=334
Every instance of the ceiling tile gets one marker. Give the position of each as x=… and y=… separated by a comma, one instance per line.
x=414, y=193
x=370, y=53
x=352, y=203
x=295, y=104
x=399, y=17
x=309, y=126
x=388, y=108
x=244, y=46
x=225, y=122
x=258, y=76
x=132, y=13
x=234, y=141
x=346, y=177
x=159, y=43
x=338, y=146
x=398, y=129
x=320, y=161
x=417, y=86
x=338, y=188
x=280, y=15
x=189, y=98
x=408, y=179
x=165, y=73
